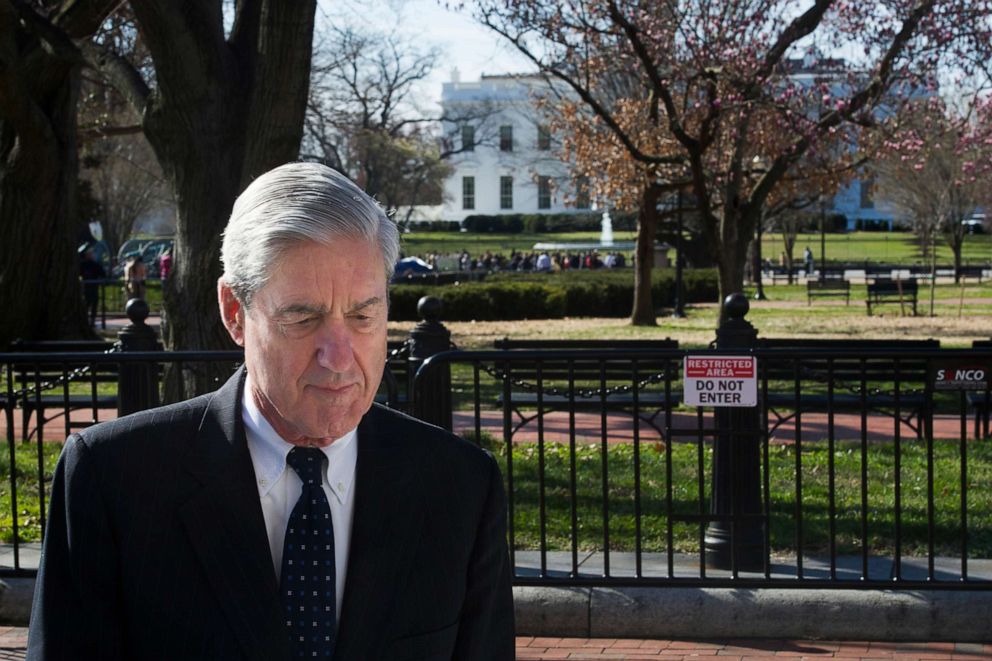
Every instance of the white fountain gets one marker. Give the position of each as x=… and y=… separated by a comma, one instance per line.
x=606, y=234
x=605, y=239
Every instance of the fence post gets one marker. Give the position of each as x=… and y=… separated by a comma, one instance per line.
x=432, y=396
x=137, y=383
x=736, y=490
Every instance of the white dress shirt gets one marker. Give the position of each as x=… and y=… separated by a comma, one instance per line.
x=279, y=486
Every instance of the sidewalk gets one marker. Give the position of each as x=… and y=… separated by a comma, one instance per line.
x=13, y=641
x=740, y=650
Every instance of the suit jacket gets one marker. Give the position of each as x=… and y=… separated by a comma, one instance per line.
x=156, y=546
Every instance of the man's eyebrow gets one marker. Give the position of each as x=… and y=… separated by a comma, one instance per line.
x=300, y=308
x=374, y=300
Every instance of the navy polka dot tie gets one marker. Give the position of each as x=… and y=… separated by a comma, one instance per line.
x=308, y=563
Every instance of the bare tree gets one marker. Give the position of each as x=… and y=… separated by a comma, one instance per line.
x=363, y=118
x=934, y=170
x=117, y=162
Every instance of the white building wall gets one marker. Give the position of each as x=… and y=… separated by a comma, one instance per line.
x=510, y=101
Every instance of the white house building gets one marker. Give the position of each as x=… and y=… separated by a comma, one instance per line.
x=507, y=161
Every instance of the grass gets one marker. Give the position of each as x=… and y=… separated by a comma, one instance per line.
x=29, y=511
x=686, y=496
x=784, y=531
x=888, y=247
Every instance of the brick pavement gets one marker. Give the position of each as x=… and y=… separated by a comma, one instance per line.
x=14, y=639
x=532, y=649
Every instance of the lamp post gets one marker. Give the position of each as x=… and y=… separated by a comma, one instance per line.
x=759, y=293
x=679, y=311
x=823, y=239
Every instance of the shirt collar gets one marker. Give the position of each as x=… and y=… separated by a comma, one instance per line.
x=269, y=452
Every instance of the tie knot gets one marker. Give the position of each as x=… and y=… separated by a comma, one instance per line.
x=308, y=464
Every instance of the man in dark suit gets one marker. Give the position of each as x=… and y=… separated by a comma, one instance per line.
x=285, y=515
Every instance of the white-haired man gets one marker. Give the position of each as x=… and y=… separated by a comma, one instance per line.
x=285, y=515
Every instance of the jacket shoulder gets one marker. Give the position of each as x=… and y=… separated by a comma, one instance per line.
x=143, y=425
x=432, y=439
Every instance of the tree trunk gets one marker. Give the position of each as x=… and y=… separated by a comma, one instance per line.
x=40, y=294
x=956, y=243
x=736, y=228
x=647, y=220
x=224, y=112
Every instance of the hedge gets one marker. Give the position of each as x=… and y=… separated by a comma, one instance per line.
x=433, y=226
x=509, y=296
x=514, y=223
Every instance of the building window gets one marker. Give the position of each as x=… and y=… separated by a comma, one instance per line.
x=506, y=192
x=543, y=138
x=468, y=138
x=544, y=192
x=868, y=193
x=468, y=192
x=582, y=193
x=506, y=138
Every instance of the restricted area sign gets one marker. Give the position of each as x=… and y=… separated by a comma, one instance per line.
x=720, y=380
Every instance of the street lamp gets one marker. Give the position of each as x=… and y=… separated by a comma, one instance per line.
x=823, y=239
x=759, y=293
x=679, y=311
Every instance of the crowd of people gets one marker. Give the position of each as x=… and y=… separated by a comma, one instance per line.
x=539, y=261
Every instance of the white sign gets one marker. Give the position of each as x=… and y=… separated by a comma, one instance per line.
x=720, y=380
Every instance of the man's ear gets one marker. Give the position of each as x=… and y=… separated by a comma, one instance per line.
x=232, y=312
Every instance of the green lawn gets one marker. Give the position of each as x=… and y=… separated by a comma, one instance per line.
x=686, y=498
x=890, y=247
x=28, y=489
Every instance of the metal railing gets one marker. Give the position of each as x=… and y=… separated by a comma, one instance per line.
x=854, y=471
x=863, y=474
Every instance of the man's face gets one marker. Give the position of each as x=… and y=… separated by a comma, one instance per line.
x=314, y=338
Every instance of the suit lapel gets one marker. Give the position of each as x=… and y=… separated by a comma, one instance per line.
x=226, y=528
x=387, y=521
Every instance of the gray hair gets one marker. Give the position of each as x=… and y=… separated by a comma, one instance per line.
x=293, y=204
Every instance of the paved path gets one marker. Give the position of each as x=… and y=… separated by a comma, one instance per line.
x=740, y=650
x=620, y=427
x=13, y=641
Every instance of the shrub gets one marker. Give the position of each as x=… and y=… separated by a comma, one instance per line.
x=434, y=226
x=534, y=223
x=508, y=296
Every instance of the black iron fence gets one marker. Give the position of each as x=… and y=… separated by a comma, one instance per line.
x=854, y=467
x=850, y=471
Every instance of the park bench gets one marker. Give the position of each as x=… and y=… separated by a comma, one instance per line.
x=589, y=384
x=53, y=396
x=776, y=273
x=877, y=375
x=902, y=292
x=981, y=400
x=827, y=288
x=967, y=272
x=44, y=387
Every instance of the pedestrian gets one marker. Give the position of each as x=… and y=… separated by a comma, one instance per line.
x=808, y=258
x=285, y=515
x=165, y=265
x=91, y=272
x=134, y=277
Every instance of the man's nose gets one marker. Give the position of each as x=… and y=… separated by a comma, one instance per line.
x=334, y=350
